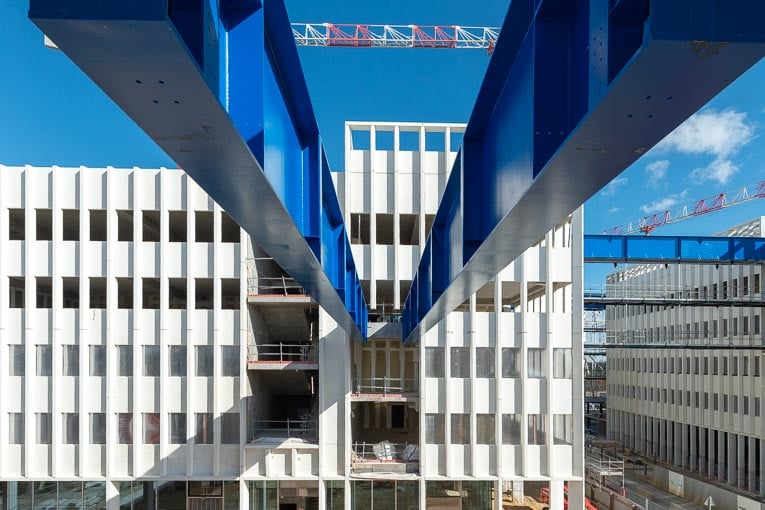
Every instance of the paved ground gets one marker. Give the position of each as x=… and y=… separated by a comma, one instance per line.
x=638, y=489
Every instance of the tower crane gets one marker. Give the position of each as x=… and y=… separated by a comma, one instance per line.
x=713, y=203
x=349, y=35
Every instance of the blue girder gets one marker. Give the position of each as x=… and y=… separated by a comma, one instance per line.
x=674, y=249
x=218, y=85
x=576, y=91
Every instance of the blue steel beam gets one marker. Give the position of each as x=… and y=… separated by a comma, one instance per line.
x=218, y=85
x=576, y=91
x=674, y=249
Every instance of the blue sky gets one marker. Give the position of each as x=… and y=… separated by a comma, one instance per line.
x=52, y=114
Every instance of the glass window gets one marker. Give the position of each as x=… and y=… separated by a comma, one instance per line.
x=485, y=429
x=434, y=362
x=230, y=361
x=204, y=361
x=511, y=429
x=125, y=360
x=536, y=363
x=17, y=360
x=44, y=360
x=484, y=362
x=511, y=362
x=229, y=428
x=460, y=428
x=45, y=495
x=178, y=361
x=98, y=360
x=15, y=429
x=335, y=491
x=16, y=495
x=562, y=364
x=563, y=428
x=71, y=355
x=537, y=429
x=94, y=495
x=460, y=362
x=71, y=428
x=231, y=491
x=151, y=428
x=435, y=429
x=151, y=360
x=204, y=430
x=178, y=428
x=125, y=428
x=97, y=428
x=43, y=428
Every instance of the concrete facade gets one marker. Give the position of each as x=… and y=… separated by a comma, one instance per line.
x=694, y=402
x=157, y=358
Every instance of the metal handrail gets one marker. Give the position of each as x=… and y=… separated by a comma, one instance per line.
x=303, y=428
x=384, y=385
x=675, y=292
x=682, y=339
x=385, y=451
x=274, y=286
x=283, y=352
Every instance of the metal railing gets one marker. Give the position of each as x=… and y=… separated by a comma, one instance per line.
x=385, y=451
x=283, y=352
x=601, y=464
x=661, y=292
x=384, y=385
x=681, y=338
x=303, y=429
x=274, y=286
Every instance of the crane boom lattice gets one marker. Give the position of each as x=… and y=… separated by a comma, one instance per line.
x=713, y=203
x=395, y=36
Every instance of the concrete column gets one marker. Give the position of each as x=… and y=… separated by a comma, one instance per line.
x=692, y=453
x=4, y=303
x=711, y=453
x=82, y=313
x=112, y=488
x=556, y=495
x=57, y=300
x=751, y=469
x=138, y=274
x=372, y=219
x=217, y=321
x=164, y=240
x=728, y=470
x=396, y=222
x=662, y=442
x=741, y=467
x=244, y=494
x=762, y=466
x=702, y=464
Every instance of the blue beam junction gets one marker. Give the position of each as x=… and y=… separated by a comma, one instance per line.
x=674, y=249
x=575, y=92
x=218, y=85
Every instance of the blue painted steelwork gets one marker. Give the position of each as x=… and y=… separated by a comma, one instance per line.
x=672, y=249
x=218, y=85
x=575, y=92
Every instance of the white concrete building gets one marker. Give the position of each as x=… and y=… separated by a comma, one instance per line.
x=685, y=384
x=153, y=357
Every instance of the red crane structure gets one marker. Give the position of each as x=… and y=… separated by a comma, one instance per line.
x=349, y=35
x=648, y=224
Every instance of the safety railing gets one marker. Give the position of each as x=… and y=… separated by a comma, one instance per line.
x=681, y=338
x=619, y=292
x=274, y=286
x=283, y=352
x=384, y=385
x=604, y=465
x=594, y=326
x=385, y=451
x=302, y=429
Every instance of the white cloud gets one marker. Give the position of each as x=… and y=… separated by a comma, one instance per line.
x=656, y=172
x=719, y=133
x=612, y=187
x=663, y=204
x=720, y=170
x=614, y=210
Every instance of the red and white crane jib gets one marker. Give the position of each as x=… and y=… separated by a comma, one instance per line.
x=648, y=224
x=395, y=36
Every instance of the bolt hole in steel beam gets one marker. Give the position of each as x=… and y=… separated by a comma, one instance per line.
x=560, y=113
x=241, y=122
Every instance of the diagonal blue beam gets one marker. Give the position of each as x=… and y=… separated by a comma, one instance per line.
x=218, y=85
x=576, y=91
x=671, y=249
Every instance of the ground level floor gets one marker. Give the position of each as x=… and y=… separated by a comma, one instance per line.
x=340, y=494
